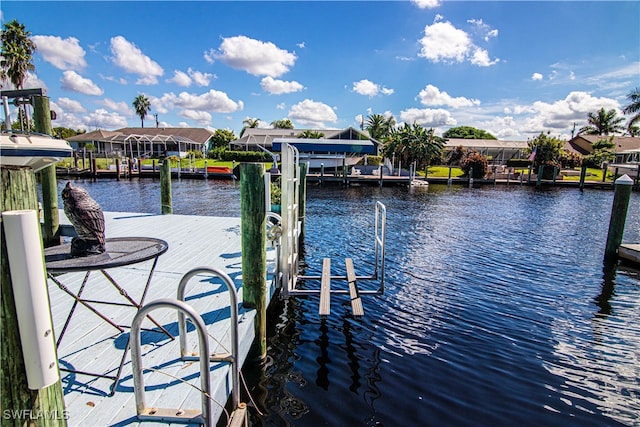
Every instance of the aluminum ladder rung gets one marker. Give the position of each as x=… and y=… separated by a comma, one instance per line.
x=325, y=288
x=356, y=301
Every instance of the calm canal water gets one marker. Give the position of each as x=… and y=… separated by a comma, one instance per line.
x=497, y=311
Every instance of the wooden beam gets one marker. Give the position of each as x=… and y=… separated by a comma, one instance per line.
x=356, y=301
x=325, y=288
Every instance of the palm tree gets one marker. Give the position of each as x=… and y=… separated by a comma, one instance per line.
x=603, y=123
x=282, y=124
x=414, y=143
x=379, y=126
x=249, y=123
x=16, y=58
x=17, y=53
x=142, y=106
x=311, y=134
x=633, y=107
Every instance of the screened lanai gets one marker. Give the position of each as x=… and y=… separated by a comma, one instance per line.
x=143, y=145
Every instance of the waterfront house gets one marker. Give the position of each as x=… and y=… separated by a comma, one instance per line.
x=497, y=151
x=254, y=137
x=145, y=142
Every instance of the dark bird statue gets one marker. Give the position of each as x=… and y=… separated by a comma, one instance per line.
x=87, y=218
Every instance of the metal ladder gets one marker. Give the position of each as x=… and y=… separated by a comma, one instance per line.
x=204, y=416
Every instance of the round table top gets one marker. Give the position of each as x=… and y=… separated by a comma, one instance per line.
x=119, y=251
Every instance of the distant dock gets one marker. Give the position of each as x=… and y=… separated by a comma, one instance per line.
x=92, y=345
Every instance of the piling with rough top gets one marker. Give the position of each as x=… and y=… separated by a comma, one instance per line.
x=621, y=197
x=165, y=187
x=254, y=255
x=19, y=192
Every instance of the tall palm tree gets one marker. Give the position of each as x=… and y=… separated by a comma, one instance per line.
x=603, y=123
x=249, y=123
x=633, y=108
x=17, y=53
x=142, y=106
x=16, y=60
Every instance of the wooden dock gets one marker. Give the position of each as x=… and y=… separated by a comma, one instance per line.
x=90, y=344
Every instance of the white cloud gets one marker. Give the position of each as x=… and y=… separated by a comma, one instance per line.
x=183, y=79
x=102, y=119
x=278, y=87
x=180, y=78
x=253, y=56
x=70, y=105
x=130, y=58
x=442, y=42
x=427, y=117
x=426, y=4
x=431, y=95
x=213, y=100
x=121, y=107
x=75, y=82
x=312, y=113
x=301, y=45
x=574, y=107
x=536, y=76
x=200, y=78
x=281, y=106
x=64, y=54
x=370, y=89
x=201, y=117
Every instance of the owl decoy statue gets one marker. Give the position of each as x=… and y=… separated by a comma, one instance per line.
x=87, y=218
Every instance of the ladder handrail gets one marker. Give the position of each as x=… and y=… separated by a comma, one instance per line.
x=182, y=328
x=136, y=354
x=380, y=232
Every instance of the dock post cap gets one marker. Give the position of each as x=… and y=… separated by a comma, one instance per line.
x=624, y=180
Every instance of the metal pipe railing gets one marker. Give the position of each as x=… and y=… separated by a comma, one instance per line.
x=233, y=358
x=136, y=362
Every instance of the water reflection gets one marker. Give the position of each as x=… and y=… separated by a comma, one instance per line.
x=497, y=310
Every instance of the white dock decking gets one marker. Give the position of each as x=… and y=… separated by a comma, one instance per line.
x=92, y=345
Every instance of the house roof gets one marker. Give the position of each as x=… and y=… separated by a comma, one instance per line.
x=96, y=135
x=324, y=145
x=583, y=144
x=485, y=143
x=196, y=135
x=265, y=137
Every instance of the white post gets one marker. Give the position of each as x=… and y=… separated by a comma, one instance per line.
x=28, y=276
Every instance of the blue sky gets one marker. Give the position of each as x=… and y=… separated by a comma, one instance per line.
x=512, y=68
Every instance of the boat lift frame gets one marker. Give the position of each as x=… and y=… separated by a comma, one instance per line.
x=288, y=255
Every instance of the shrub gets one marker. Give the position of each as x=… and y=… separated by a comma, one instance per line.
x=196, y=154
x=477, y=162
x=372, y=160
x=245, y=156
x=570, y=160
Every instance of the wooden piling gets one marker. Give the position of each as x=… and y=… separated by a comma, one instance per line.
x=165, y=187
x=49, y=184
x=19, y=192
x=117, y=169
x=621, y=197
x=254, y=255
x=583, y=174
x=539, y=177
